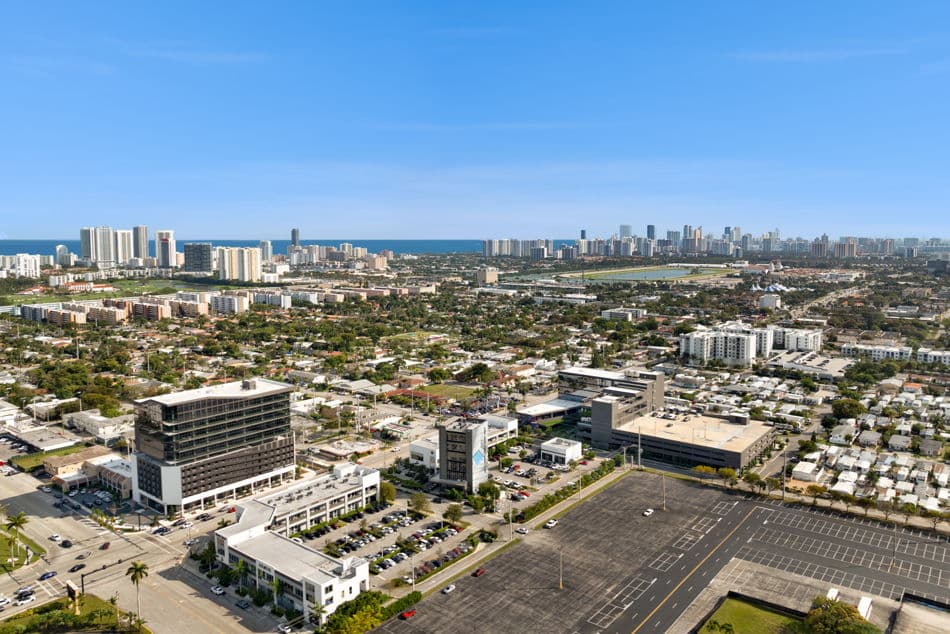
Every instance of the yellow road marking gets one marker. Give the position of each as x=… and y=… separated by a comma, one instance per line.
x=691, y=572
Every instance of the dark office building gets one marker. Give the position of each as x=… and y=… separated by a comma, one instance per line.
x=198, y=257
x=201, y=447
x=295, y=237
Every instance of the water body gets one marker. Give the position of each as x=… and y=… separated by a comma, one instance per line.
x=415, y=247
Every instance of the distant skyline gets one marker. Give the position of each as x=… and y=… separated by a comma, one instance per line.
x=426, y=120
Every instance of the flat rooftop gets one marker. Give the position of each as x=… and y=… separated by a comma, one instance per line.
x=702, y=431
x=291, y=559
x=303, y=495
x=235, y=389
x=554, y=406
x=594, y=373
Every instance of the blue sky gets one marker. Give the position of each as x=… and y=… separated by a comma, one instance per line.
x=474, y=119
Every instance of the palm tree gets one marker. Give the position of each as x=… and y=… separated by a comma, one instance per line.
x=240, y=567
x=317, y=610
x=278, y=587
x=14, y=524
x=114, y=602
x=136, y=572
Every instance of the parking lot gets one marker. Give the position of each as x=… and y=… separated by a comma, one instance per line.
x=609, y=552
x=624, y=572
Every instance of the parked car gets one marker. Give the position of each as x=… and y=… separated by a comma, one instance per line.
x=648, y=513
x=448, y=589
x=479, y=572
x=551, y=523
x=408, y=614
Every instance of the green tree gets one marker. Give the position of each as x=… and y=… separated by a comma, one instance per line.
x=828, y=616
x=15, y=524
x=815, y=490
x=753, y=479
x=847, y=408
x=420, y=502
x=727, y=474
x=136, y=572
x=387, y=491
x=453, y=513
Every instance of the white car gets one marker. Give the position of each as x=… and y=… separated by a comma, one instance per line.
x=448, y=589
x=551, y=523
x=218, y=590
x=521, y=530
x=284, y=628
x=25, y=600
x=648, y=513
x=55, y=537
x=4, y=601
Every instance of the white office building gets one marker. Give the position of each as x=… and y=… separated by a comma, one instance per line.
x=124, y=246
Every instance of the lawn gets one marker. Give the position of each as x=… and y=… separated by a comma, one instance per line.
x=95, y=615
x=749, y=619
x=21, y=540
x=458, y=392
x=30, y=462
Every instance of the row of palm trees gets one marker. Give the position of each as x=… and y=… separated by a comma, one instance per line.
x=136, y=572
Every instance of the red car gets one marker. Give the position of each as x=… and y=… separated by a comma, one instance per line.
x=479, y=572
x=408, y=614
x=105, y=546
x=524, y=493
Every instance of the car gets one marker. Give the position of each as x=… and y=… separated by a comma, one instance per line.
x=192, y=541
x=186, y=525
x=55, y=537
x=77, y=567
x=179, y=522
x=47, y=575
x=243, y=604
x=449, y=589
x=45, y=489
x=408, y=614
x=218, y=590
x=66, y=543
x=479, y=572
x=4, y=601
x=648, y=513
x=24, y=600
x=521, y=530
x=105, y=546
x=84, y=555
x=551, y=523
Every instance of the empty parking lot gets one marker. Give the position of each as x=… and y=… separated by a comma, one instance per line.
x=624, y=572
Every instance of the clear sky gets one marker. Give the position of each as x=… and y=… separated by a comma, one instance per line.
x=474, y=119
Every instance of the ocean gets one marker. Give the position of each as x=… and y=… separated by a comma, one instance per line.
x=48, y=247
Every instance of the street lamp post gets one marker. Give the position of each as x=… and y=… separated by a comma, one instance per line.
x=560, y=581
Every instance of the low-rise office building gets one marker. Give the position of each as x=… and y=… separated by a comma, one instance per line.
x=308, y=577
x=561, y=451
x=688, y=440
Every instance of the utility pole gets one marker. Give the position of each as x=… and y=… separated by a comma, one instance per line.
x=639, y=452
x=784, y=471
x=560, y=582
x=663, y=477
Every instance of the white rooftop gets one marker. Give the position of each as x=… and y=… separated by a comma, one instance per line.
x=235, y=389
